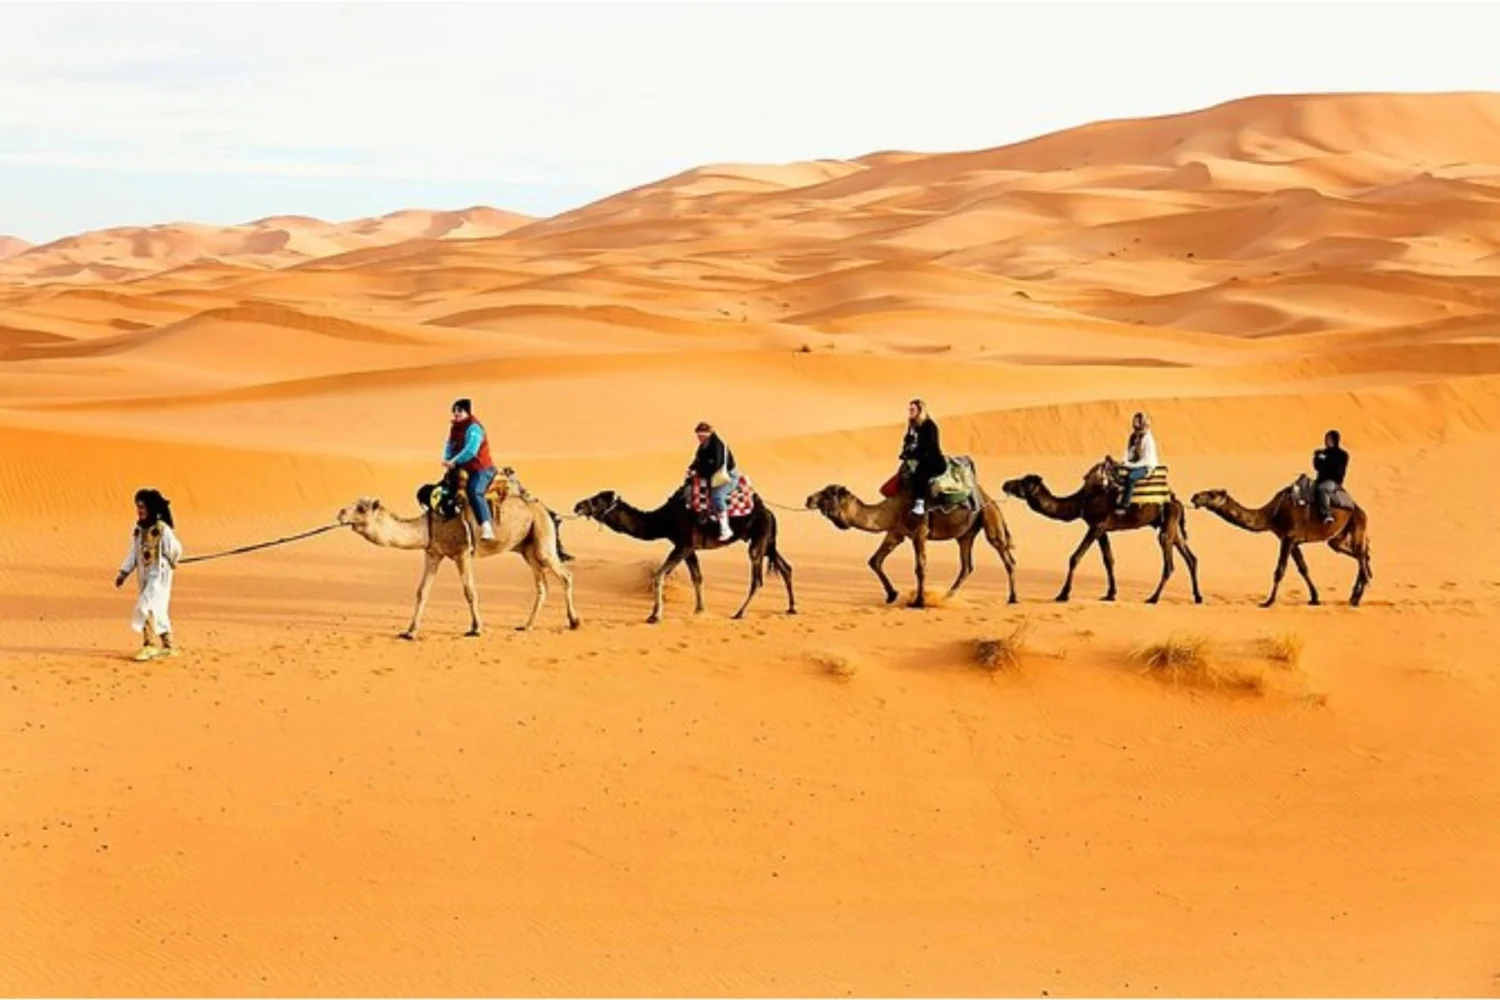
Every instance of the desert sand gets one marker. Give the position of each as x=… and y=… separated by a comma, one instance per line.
x=841, y=802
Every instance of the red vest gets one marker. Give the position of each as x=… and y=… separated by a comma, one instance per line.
x=456, y=435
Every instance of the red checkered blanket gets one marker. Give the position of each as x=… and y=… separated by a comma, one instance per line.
x=741, y=501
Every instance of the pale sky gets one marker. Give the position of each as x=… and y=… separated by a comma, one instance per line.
x=137, y=113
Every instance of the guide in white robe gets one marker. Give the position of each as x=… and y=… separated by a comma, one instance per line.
x=153, y=557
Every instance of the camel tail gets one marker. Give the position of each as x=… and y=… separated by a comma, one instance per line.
x=557, y=533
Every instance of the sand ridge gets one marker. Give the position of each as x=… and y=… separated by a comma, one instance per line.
x=303, y=804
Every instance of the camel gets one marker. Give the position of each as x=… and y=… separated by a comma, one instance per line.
x=1094, y=504
x=521, y=526
x=676, y=523
x=1296, y=525
x=892, y=516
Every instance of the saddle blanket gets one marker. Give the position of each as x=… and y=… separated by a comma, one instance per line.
x=741, y=501
x=1152, y=489
x=955, y=488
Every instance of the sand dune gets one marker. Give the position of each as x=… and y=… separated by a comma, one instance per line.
x=841, y=802
x=276, y=241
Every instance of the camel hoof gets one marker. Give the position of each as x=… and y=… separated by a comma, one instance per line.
x=1013, y=600
x=653, y=620
x=1109, y=599
x=473, y=633
x=575, y=624
x=791, y=611
x=891, y=597
x=1267, y=604
x=408, y=636
x=1197, y=598
x=1061, y=598
x=1314, y=602
x=1154, y=598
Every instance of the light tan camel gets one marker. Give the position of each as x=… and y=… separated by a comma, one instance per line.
x=891, y=517
x=521, y=526
x=1295, y=525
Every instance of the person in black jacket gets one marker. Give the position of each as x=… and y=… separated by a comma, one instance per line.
x=1331, y=464
x=714, y=464
x=921, y=454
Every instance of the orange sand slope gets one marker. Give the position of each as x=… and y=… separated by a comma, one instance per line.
x=840, y=802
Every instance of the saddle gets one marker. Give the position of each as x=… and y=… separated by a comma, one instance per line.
x=957, y=487
x=448, y=497
x=1153, y=489
x=696, y=496
x=1304, y=492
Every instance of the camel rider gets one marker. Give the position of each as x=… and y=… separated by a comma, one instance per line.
x=922, y=458
x=468, y=449
x=1331, y=464
x=714, y=464
x=1141, y=458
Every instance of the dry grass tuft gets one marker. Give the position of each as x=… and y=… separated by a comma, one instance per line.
x=1006, y=652
x=835, y=663
x=1188, y=661
x=1285, y=647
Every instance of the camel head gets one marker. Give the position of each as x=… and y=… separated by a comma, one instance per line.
x=598, y=505
x=1210, y=499
x=829, y=501
x=361, y=514
x=1024, y=488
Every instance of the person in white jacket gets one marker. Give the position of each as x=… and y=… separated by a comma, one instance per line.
x=153, y=557
x=1141, y=458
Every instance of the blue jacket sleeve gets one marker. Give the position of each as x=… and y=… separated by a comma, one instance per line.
x=472, y=441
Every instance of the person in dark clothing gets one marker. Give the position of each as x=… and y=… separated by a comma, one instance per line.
x=1330, y=464
x=922, y=458
x=714, y=464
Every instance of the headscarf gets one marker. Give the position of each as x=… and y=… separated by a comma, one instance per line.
x=158, y=508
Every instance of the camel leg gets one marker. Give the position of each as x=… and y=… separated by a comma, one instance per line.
x=784, y=568
x=554, y=562
x=757, y=573
x=919, y=544
x=1090, y=537
x=539, y=582
x=673, y=558
x=965, y=560
x=1192, y=564
x=996, y=537
x=1286, y=551
x=424, y=588
x=1346, y=543
x=1163, y=538
x=465, y=566
x=1107, y=553
x=1301, y=561
x=696, y=572
x=891, y=543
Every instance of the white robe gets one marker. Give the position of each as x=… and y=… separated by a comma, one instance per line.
x=153, y=557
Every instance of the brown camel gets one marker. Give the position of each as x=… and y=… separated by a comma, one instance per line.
x=892, y=516
x=677, y=524
x=1094, y=504
x=521, y=526
x=1297, y=525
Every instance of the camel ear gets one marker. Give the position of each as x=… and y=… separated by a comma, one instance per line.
x=374, y=504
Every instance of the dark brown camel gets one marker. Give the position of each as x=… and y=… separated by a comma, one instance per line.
x=1297, y=525
x=677, y=524
x=1094, y=504
x=892, y=516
